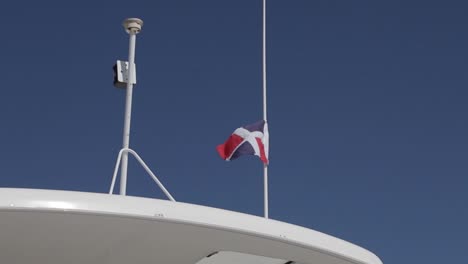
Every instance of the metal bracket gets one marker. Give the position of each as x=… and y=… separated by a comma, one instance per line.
x=143, y=164
x=121, y=74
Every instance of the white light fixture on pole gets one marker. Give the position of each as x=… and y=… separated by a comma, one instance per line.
x=125, y=76
x=133, y=27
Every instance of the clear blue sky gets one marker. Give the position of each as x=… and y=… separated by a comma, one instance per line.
x=367, y=109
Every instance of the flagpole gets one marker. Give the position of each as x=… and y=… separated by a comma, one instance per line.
x=265, y=166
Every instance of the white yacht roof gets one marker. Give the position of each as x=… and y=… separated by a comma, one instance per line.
x=45, y=226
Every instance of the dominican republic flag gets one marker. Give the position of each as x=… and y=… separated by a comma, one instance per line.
x=247, y=140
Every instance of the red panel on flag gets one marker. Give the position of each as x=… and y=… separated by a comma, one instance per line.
x=262, y=151
x=229, y=146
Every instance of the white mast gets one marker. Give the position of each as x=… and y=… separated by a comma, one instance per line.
x=133, y=27
x=265, y=166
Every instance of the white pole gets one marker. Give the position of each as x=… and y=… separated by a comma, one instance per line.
x=133, y=27
x=265, y=166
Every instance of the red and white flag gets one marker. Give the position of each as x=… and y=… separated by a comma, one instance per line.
x=247, y=140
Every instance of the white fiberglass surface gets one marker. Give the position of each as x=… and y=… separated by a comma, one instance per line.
x=228, y=257
x=44, y=226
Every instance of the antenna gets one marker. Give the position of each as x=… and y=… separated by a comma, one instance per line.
x=132, y=27
x=125, y=75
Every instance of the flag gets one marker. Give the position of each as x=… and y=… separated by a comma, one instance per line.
x=247, y=140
